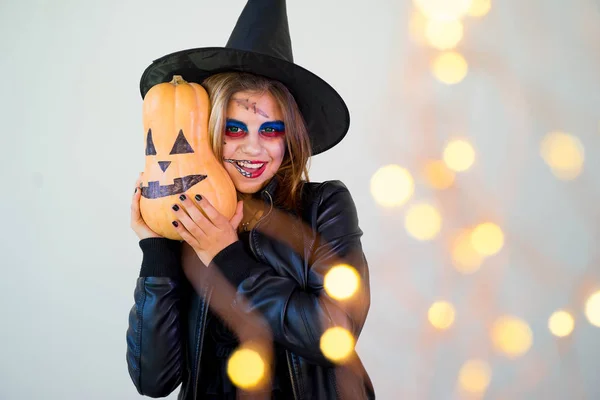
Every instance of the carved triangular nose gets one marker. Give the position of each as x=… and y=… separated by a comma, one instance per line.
x=164, y=165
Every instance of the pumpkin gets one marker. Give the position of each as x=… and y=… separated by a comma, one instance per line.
x=179, y=157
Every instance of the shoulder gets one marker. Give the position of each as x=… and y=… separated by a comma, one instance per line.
x=329, y=200
x=323, y=191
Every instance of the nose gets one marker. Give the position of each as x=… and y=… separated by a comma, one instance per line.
x=164, y=165
x=252, y=145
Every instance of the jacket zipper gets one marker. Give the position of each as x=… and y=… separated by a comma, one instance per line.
x=199, y=355
x=289, y=363
x=287, y=355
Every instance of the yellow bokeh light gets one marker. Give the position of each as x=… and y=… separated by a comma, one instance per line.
x=449, y=67
x=441, y=315
x=416, y=27
x=479, y=8
x=337, y=344
x=511, y=336
x=487, y=239
x=475, y=376
x=341, y=282
x=444, y=35
x=592, y=309
x=392, y=185
x=564, y=154
x=459, y=155
x=464, y=257
x=561, y=323
x=438, y=175
x=422, y=221
x=443, y=9
x=245, y=368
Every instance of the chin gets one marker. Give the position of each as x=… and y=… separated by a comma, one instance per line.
x=245, y=185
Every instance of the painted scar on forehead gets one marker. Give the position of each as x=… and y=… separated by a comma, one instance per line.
x=250, y=106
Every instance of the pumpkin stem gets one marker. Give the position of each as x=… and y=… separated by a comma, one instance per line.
x=177, y=80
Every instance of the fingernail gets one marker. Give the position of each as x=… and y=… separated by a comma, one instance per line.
x=135, y=191
x=175, y=224
x=198, y=197
x=175, y=207
x=182, y=197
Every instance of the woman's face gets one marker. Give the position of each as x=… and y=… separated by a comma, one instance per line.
x=254, y=140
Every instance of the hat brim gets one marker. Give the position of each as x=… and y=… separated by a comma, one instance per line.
x=323, y=109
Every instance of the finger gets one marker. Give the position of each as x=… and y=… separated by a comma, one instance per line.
x=135, y=200
x=138, y=183
x=212, y=213
x=237, y=217
x=186, y=235
x=182, y=213
x=196, y=213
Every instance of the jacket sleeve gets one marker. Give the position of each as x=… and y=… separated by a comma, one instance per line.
x=154, y=337
x=298, y=314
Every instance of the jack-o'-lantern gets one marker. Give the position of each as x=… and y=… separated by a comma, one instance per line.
x=179, y=157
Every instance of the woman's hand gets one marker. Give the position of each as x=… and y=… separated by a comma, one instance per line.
x=137, y=222
x=204, y=228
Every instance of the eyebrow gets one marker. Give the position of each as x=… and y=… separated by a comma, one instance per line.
x=236, y=123
x=277, y=125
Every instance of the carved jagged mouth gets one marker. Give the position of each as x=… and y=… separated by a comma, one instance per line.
x=155, y=190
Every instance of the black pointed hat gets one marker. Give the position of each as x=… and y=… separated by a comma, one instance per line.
x=260, y=44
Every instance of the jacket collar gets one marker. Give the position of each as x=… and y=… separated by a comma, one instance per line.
x=270, y=188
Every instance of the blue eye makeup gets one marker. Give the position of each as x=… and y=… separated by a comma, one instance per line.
x=233, y=127
x=272, y=128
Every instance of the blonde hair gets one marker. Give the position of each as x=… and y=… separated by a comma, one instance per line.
x=293, y=172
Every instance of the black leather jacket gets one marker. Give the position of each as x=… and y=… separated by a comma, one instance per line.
x=285, y=285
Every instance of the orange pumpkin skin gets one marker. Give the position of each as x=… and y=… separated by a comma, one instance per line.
x=179, y=157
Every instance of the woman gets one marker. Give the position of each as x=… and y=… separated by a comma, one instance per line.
x=273, y=254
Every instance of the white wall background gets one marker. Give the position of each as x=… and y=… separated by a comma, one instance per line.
x=71, y=141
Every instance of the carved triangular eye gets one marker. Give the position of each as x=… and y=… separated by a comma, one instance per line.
x=150, y=150
x=181, y=145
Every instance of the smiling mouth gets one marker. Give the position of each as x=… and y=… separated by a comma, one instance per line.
x=155, y=190
x=248, y=168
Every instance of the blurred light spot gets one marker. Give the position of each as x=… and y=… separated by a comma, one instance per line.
x=449, y=67
x=416, y=27
x=479, y=8
x=444, y=35
x=592, y=309
x=561, y=323
x=464, y=256
x=487, y=239
x=245, y=368
x=392, y=185
x=459, y=155
x=443, y=9
x=441, y=315
x=511, y=336
x=337, y=344
x=563, y=153
x=438, y=175
x=475, y=376
x=341, y=282
x=422, y=221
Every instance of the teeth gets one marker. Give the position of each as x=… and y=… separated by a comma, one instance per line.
x=241, y=164
x=246, y=164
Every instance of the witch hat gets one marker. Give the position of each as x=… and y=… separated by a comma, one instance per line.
x=260, y=44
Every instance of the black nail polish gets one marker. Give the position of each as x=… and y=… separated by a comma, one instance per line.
x=182, y=197
x=198, y=197
x=175, y=207
x=175, y=224
x=135, y=191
